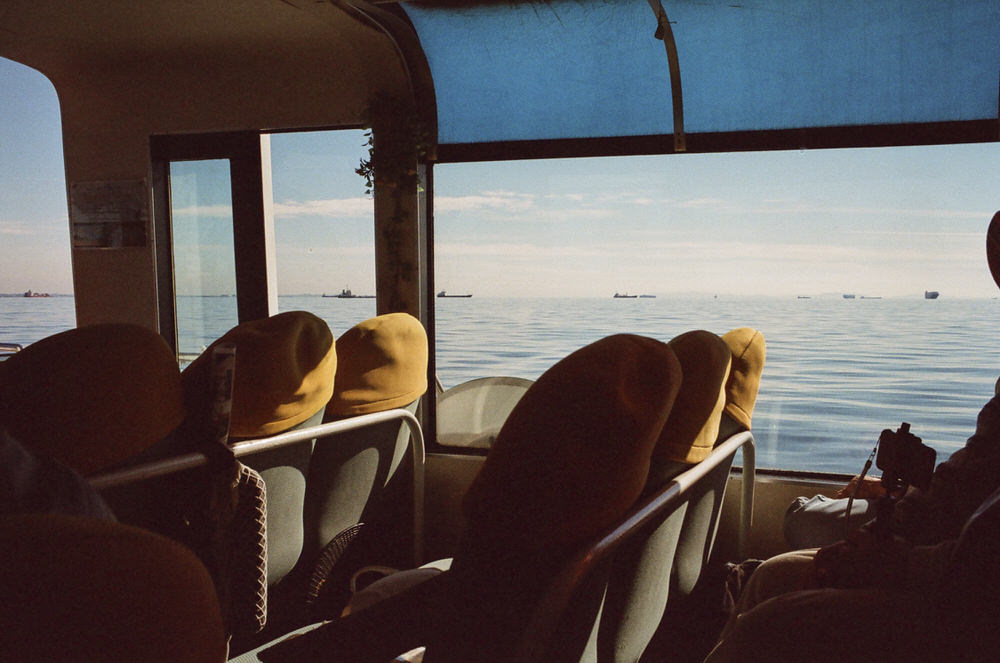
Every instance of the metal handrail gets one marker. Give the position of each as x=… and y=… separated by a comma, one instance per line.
x=165, y=466
x=556, y=599
x=10, y=348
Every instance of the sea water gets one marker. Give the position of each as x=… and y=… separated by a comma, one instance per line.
x=838, y=371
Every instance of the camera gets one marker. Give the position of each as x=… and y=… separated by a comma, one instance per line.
x=904, y=459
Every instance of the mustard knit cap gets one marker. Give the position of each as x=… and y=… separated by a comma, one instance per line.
x=382, y=365
x=82, y=589
x=93, y=396
x=574, y=453
x=693, y=425
x=747, y=345
x=285, y=367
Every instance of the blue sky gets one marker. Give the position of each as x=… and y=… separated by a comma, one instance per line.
x=877, y=222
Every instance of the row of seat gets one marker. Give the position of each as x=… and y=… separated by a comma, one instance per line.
x=614, y=432
x=582, y=445
x=103, y=396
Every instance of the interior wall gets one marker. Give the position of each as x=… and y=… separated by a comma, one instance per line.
x=317, y=73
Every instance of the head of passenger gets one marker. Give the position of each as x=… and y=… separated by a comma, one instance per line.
x=92, y=397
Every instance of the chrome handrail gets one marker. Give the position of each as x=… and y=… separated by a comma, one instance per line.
x=165, y=466
x=536, y=638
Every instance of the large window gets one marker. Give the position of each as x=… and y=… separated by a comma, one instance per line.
x=827, y=253
x=34, y=229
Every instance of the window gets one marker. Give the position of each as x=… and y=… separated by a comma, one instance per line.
x=827, y=253
x=34, y=226
x=204, y=259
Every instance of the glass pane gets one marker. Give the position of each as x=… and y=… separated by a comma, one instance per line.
x=827, y=253
x=34, y=225
x=570, y=69
x=323, y=226
x=204, y=259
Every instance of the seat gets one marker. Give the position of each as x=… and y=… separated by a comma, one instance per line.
x=684, y=626
x=640, y=582
x=471, y=414
x=352, y=500
x=544, y=491
x=77, y=403
x=282, y=380
x=694, y=549
x=82, y=589
x=93, y=396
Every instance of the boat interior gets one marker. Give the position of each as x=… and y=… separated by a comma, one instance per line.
x=143, y=87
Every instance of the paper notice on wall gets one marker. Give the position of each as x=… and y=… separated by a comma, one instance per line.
x=108, y=215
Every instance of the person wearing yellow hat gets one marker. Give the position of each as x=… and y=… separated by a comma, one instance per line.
x=915, y=595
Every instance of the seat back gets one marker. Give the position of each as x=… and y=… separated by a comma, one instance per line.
x=77, y=588
x=570, y=461
x=471, y=414
x=93, y=396
x=283, y=379
x=382, y=365
x=702, y=519
x=79, y=402
x=640, y=579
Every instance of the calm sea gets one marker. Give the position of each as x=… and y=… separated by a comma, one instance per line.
x=838, y=371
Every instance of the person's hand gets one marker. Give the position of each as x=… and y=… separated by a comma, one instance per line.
x=868, y=488
x=863, y=560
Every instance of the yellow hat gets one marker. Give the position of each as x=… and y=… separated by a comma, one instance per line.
x=749, y=350
x=82, y=589
x=574, y=453
x=285, y=367
x=993, y=247
x=93, y=396
x=693, y=425
x=383, y=365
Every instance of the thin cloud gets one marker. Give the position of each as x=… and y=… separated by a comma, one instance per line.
x=516, y=250
x=331, y=207
x=496, y=200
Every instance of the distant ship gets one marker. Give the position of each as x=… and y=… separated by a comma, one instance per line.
x=647, y=296
x=931, y=294
x=848, y=295
x=29, y=293
x=347, y=294
x=803, y=297
x=869, y=297
x=445, y=294
x=624, y=296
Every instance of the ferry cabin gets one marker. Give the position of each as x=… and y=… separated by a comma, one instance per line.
x=146, y=89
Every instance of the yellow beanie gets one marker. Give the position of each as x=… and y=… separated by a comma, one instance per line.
x=574, y=453
x=285, y=366
x=747, y=345
x=693, y=425
x=93, y=396
x=82, y=589
x=382, y=365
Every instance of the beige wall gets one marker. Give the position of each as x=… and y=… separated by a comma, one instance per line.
x=317, y=67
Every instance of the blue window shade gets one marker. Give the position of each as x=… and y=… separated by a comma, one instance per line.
x=585, y=69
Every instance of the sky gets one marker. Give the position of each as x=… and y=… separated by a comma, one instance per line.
x=873, y=222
